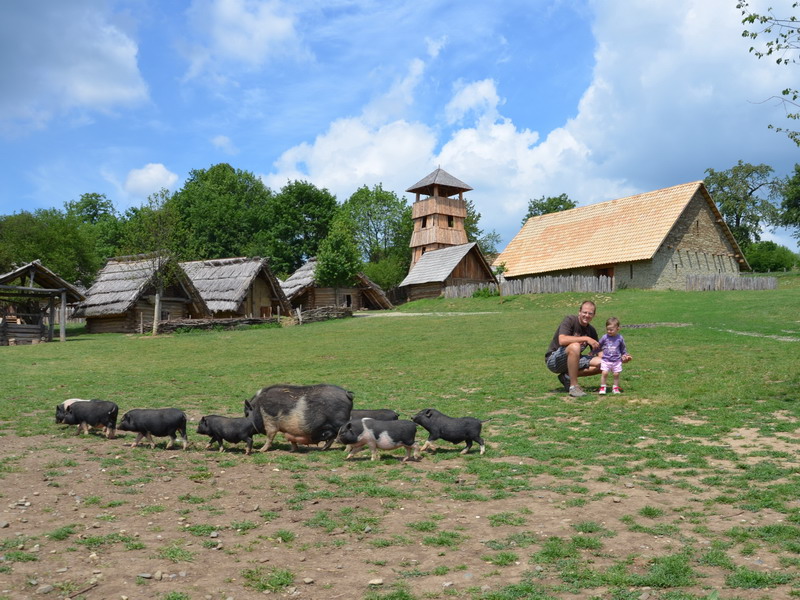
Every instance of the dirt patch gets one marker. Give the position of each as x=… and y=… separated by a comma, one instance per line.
x=143, y=523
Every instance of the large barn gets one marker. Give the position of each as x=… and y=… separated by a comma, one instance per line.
x=651, y=240
x=238, y=287
x=304, y=293
x=122, y=298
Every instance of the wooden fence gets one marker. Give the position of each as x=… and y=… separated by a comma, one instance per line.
x=537, y=285
x=716, y=283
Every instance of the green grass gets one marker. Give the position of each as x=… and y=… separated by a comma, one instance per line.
x=692, y=396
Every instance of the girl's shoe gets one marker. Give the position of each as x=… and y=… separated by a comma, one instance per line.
x=616, y=390
x=602, y=390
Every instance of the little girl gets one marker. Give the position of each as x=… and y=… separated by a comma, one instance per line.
x=612, y=344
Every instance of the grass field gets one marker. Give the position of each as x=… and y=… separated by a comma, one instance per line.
x=710, y=408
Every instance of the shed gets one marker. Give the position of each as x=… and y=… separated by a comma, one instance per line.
x=303, y=292
x=437, y=269
x=238, y=287
x=122, y=298
x=652, y=240
x=30, y=295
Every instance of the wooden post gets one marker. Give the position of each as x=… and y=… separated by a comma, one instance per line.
x=51, y=305
x=156, y=312
x=63, y=319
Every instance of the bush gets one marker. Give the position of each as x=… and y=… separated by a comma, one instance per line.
x=769, y=256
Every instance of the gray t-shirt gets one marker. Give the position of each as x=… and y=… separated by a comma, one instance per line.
x=570, y=326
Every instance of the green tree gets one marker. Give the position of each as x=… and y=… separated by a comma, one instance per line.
x=790, y=206
x=487, y=241
x=745, y=196
x=339, y=257
x=220, y=211
x=299, y=218
x=548, y=204
x=768, y=256
x=782, y=43
x=91, y=208
x=61, y=241
x=97, y=212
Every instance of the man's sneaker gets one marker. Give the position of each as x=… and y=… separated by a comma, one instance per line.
x=576, y=392
x=602, y=390
x=563, y=378
x=616, y=390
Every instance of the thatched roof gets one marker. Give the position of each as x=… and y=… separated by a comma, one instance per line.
x=223, y=283
x=437, y=265
x=448, y=185
x=122, y=281
x=305, y=277
x=581, y=237
x=301, y=280
x=43, y=279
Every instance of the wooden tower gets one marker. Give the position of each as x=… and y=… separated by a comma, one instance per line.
x=439, y=213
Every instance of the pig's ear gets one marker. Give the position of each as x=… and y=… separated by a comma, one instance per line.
x=429, y=413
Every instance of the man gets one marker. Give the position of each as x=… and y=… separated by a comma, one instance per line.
x=564, y=357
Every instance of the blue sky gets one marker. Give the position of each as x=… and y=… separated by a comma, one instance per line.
x=518, y=98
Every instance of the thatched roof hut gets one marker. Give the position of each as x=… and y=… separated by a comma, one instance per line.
x=24, y=316
x=238, y=287
x=121, y=299
x=303, y=292
x=456, y=265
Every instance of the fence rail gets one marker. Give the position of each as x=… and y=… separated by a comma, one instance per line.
x=536, y=285
x=715, y=283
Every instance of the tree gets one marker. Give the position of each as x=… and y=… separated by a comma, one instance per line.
x=338, y=259
x=783, y=42
x=744, y=195
x=767, y=256
x=220, y=211
x=383, y=228
x=98, y=214
x=299, y=218
x=91, y=208
x=548, y=204
x=790, y=206
x=487, y=242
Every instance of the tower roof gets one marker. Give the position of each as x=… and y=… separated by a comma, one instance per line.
x=448, y=185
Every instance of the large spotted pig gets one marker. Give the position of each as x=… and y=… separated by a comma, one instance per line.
x=379, y=435
x=450, y=429
x=306, y=414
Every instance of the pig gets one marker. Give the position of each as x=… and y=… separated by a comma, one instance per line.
x=159, y=422
x=380, y=435
x=379, y=414
x=450, y=429
x=229, y=429
x=92, y=414
x=61, y=409
x=307, y=413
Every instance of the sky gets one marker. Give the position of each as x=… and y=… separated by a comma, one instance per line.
x=520, y=99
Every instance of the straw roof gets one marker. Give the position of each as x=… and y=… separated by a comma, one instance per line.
x=223, y=283
x=448, y=185
x=43, y=278
x=122, y=281
x=611, y=232
x=437, y=265
x=305, y=277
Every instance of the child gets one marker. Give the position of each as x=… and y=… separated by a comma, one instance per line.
x=615, y=353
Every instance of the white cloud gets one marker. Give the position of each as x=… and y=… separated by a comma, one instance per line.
x=69, y=57
x=151, y=178
x=224, y=143
x=241, y=32
x=479, y=97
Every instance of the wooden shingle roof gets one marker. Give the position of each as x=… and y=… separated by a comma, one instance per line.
x=448, y=185
x=223, y=283
x=615, y=231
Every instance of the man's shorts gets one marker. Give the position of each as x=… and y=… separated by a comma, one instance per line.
x=614, y=366
x=557, y=361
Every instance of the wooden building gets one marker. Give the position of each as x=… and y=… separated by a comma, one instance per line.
x=303, y=292
x=439, y=213
x=32, y=300
x=123, y=297
x=238, y=287
x=456, y=265
x=652, y=240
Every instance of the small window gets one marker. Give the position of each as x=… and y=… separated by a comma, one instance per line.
x=424, y=222
x=450, y=221
x=348, y=300
x=631, y=265
x=423, y=249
